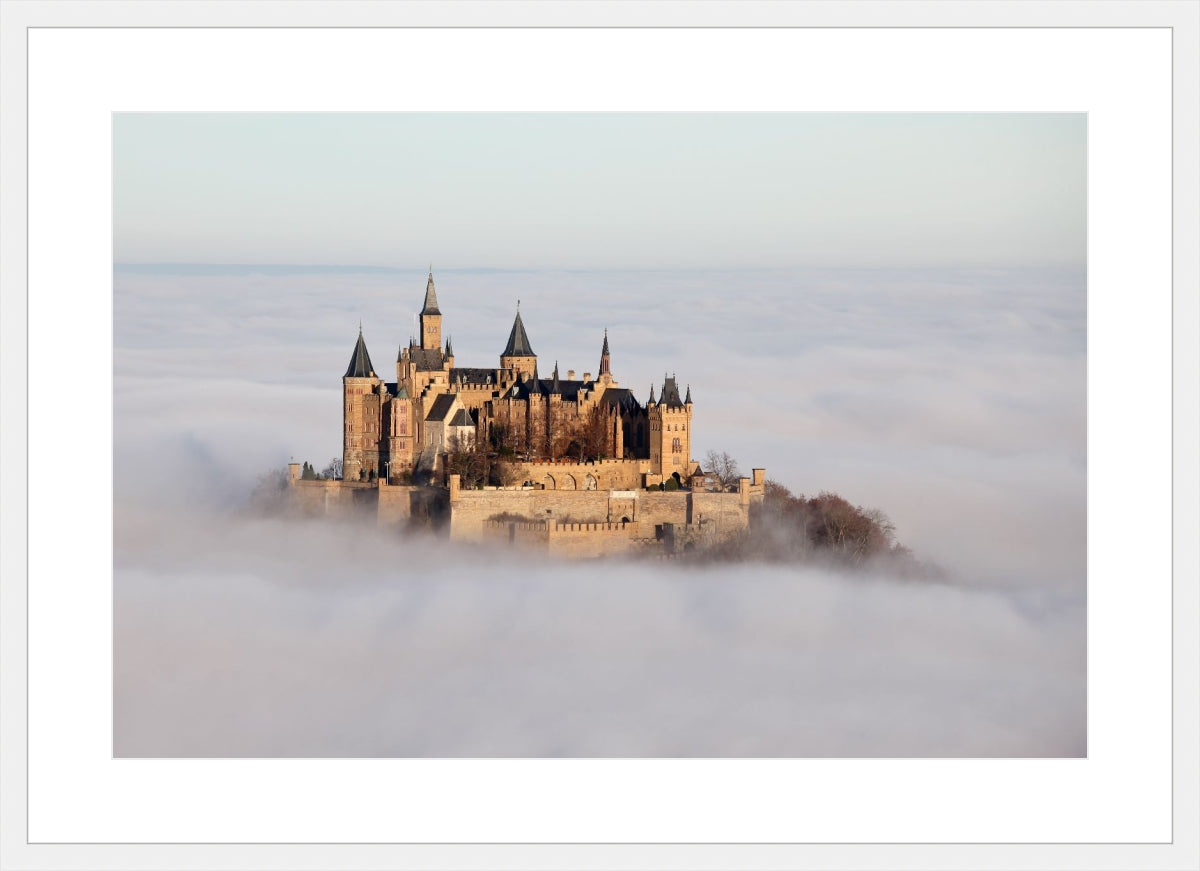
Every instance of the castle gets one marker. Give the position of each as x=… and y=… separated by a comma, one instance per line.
x=582, y=467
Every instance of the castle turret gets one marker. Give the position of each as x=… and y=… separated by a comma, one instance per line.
x=431, y=318
x=361, y=414
x=449, y=354
x=518, y=354
x=670, y=430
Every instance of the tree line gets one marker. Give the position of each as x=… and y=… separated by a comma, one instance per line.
x=825, y=529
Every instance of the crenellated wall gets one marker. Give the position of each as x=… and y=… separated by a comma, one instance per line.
x=570, y=523
x=582, y=540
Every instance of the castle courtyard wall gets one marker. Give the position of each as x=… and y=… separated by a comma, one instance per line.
x=470, y=508
x=569, y=523
x=609, y=474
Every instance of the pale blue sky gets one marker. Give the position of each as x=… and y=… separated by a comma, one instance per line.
x=601, y=190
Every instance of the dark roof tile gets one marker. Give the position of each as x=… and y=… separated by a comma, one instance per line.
x=518, y=342
x=440, y=409
x=360, y=361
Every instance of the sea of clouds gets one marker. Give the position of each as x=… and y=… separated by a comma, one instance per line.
x=953, y=400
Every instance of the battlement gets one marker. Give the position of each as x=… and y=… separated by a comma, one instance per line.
x=594, y=528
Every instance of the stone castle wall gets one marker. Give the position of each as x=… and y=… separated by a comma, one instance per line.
x=331, y=498
x=569, y=475
x=575, y=540
x=470, y=508
x=569, y=523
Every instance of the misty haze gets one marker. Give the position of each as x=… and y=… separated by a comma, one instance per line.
x=952, y=399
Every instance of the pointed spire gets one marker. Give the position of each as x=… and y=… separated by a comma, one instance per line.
x=651, y=394
x=556, y=388
x=449, y=348
x=688, y=399
x=360, y=361
x=604, y=370
x=518, y=341
x=431, y=303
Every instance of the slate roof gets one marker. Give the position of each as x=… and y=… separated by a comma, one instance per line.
x=397, y=391
x=426, y=359
x=463, y=418
x=431, y=305
x=473, y=376
x=518, y=342
x=441, y=407
x=670, y=393
x=621, y=397
x=360, y=361
x=568, y=390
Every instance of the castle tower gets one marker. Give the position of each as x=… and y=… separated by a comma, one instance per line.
x=401, y=434
x=517, y=354
x=449, y=354
x=670, y=430
x=361, y=414
x=431, y=318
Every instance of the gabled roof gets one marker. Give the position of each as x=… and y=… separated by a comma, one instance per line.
x=518, y=343
x=360, y=361
x=440, y=409
x=431, y=306
x=462, y=418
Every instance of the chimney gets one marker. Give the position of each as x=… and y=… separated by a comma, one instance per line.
x=570, y=374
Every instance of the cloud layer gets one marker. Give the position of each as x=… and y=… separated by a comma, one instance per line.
x=953, y=400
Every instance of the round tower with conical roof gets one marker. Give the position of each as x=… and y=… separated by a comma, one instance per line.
x=518, y=353
x=361, y=414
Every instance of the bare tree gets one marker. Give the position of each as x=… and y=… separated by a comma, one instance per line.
x=470, y=464
x=723, y=469
x=334, y=469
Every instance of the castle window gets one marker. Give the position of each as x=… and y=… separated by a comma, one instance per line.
x=675, y=446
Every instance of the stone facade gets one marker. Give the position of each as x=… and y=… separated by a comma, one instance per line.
x=395, y=429
x=565, y=523
x=594, y=471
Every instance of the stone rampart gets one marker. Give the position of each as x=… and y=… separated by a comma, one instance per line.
x=563, y=539
x=573, y=475
x=409, y=506
x=565, y=522
x=332, y=498
x=470, y=508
